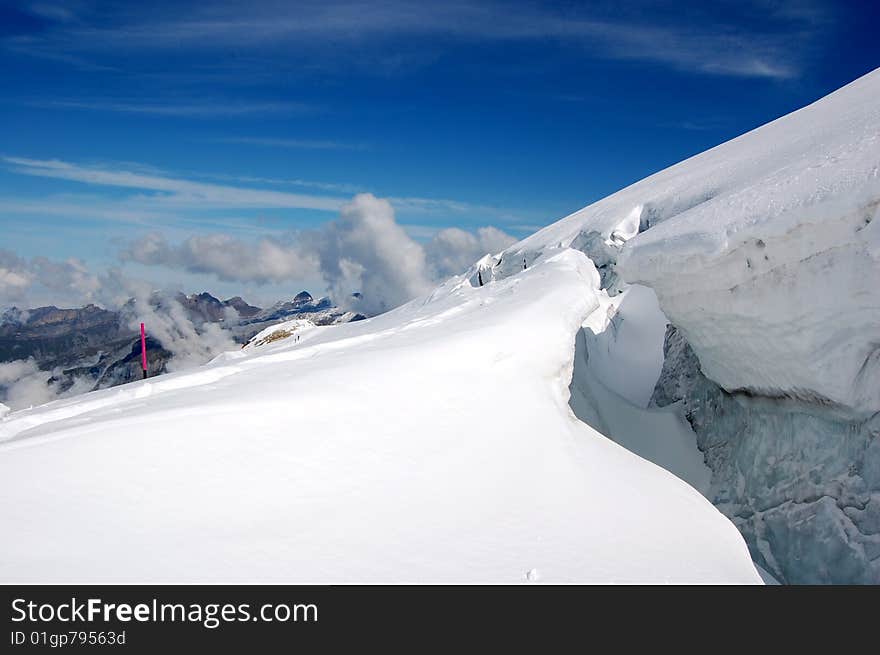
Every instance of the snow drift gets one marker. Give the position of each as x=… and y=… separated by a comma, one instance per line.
x=431, y=444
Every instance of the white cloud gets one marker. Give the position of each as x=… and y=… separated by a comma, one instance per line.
x=295, y=144
x=15, y=277
x=189, y=344
x=446, y=206
x=178, y=192
x=71, y=275
x=364, y=250
x=217, y=109
x=335, y=187
x=735, y=40
x=228, y=258
x=713, y=51
x=20, y=277
x=13, y=283
x=452, y=250
x=169, y=192
x=24, y=384
x=51, y=11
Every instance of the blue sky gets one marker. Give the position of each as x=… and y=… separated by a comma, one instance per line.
x=259, y=120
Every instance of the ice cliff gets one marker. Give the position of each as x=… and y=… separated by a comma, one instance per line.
x=764, y=254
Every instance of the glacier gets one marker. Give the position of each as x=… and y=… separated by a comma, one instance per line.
x=764, y=255
x=678, y=383
x=433, y=443
x=800, y=483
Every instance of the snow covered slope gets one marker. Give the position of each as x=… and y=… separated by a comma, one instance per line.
x=764, y=254
x=437, y=443
x=432, y=443
x=615, y=369
x=764, y=251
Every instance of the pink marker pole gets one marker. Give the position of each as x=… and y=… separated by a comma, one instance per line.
x=144, y=350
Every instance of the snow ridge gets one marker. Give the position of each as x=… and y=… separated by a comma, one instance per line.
x=433, y=443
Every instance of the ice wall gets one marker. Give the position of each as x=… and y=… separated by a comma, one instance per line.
x=764, y=254
x=801, y=484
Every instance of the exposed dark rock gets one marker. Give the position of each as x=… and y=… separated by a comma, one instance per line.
x=244, y=310
x=302, y=298
x=47, y=333
x=97, y=345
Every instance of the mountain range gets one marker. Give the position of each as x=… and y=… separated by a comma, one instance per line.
x=103, y=346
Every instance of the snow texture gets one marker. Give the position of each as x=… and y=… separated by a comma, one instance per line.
x=616, y=365
x=763, y=250
x=433, y=443
x=441, y=441
x=764, y=254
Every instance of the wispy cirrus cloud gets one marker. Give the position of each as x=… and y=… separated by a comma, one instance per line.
x=173, y=191
x=215, y=109
x=76, y=211
x=167, y=192
x=331, y=187
x=293, y=144
x=435, y=205
x=749, y=39
x=697, y=124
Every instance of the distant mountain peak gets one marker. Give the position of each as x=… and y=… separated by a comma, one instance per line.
x=206, y=297
x=243, y=308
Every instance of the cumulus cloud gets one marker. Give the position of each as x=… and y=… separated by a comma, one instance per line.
x=365, y=250
x=15, y=276
x=452, y=250
x=189, y=344
x=70, y=276
x=23, y=384
x=23, y=278
x=226, y=257
x=12, y=371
